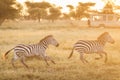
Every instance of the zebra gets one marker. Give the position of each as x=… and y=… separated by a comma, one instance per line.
x=22, y=51
x=92, y=46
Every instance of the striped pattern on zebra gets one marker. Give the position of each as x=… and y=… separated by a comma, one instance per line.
x=22, y=51
x=92, y=46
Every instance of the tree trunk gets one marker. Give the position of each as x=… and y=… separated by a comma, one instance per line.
x=39, y=20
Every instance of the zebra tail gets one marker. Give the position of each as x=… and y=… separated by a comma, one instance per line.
x=71, y=54
x=4, y=55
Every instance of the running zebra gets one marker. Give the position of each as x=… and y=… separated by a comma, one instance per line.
x=22, y=51
x=92, y=46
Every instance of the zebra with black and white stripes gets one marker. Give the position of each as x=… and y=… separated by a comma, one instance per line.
x=22, y=51
x=92, y=46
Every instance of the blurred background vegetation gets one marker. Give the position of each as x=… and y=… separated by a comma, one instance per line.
x=13, y=10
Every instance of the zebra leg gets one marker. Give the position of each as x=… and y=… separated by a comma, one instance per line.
x=97, y=58
x=12, y=61
x=45, y=58
x=46, y=61
x=105, y=56
x=81, y=58
x=48, y=58
x=22, y=61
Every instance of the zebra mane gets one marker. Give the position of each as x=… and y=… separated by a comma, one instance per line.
x=102, y=36
x=46, y=38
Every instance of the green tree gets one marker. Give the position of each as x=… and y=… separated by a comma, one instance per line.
x=70, y=7
x=9, y=9
x=54, y=13
x=38, y=10
x=38, y=4
x=65, y=16
x=71, y=11
x=82, y=10
x=37, y=13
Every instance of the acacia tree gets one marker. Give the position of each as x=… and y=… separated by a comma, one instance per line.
x=37, y=13
x=37, y=10
x=9, y=9
x=71, y=11
x=65, y=16
x=82, y=10
x=54, y=13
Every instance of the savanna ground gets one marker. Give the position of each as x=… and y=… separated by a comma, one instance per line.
x=66, y=33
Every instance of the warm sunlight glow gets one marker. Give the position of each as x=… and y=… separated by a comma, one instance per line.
x=99, y=3
x=63, y=3
x=117, y=2
x=21, y=1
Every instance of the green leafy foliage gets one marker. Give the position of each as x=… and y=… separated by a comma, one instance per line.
x=54, y=13
x=82, y=9
x=9, y=9
x=37, y=10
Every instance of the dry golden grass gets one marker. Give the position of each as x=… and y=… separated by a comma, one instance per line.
x=64, y=69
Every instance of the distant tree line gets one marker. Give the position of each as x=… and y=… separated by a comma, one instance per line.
x=11, y=9
x=42, y=10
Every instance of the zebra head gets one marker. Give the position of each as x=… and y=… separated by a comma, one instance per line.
x=106, y=37
x=53, y=41
x=50, y=40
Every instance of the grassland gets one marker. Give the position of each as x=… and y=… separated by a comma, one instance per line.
x=67, y=33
